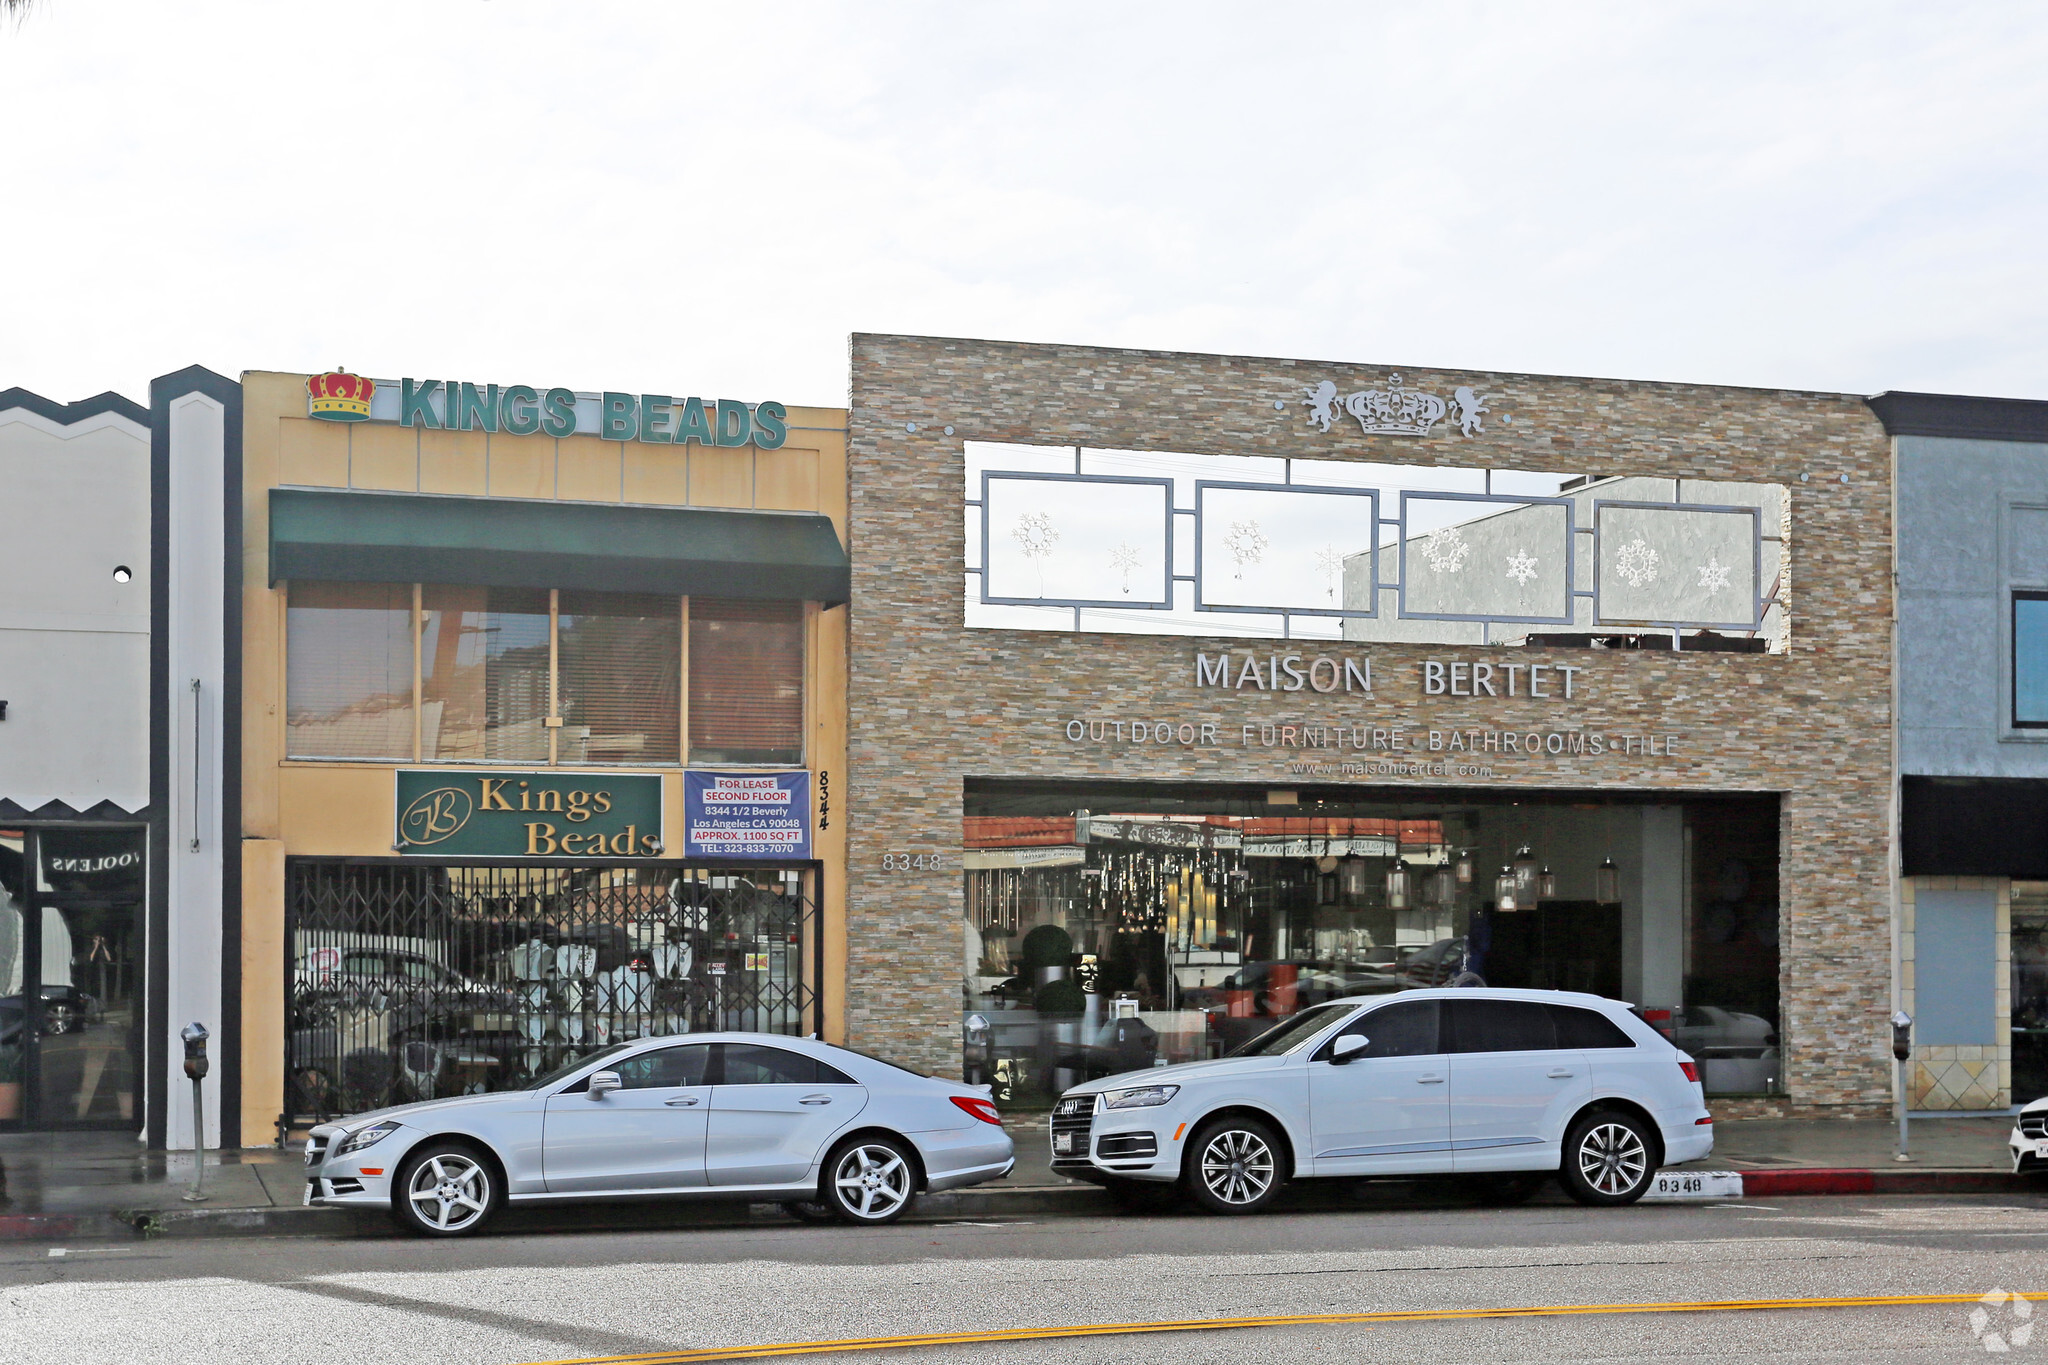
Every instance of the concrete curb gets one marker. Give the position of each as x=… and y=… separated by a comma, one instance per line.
x=1052, y=1201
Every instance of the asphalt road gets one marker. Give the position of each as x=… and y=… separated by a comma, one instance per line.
x=502, y=1301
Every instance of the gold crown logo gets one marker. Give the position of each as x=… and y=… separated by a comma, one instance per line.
x=339, y=396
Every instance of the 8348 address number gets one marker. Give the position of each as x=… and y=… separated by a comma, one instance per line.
x=918, y=862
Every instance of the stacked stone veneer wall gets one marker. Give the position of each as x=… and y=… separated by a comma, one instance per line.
x=934, y=703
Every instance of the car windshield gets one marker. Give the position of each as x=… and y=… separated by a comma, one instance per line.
x=1292, y=1033
x=568, y=1069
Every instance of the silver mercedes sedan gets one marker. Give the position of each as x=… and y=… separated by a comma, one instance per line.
x=831, y=1134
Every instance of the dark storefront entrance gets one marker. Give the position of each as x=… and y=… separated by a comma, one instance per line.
x=71, y=937
x=1112, y=927
x=409, y=980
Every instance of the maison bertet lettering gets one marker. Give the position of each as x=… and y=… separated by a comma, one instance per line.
x=1438, y=677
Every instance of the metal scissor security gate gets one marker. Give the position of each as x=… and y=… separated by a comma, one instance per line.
x=408, y=981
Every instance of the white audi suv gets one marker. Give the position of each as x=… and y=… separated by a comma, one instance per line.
x=1506, y=1085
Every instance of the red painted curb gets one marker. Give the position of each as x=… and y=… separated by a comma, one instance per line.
x=1852, y=1180
x=31, y=1227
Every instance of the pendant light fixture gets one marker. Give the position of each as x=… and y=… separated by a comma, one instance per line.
x=1463, y=867
x=1504, y=891
x=1525, y=875
x=1546, y=885
x=1607, y=883
x=1443, y=887
x=1353, y=874
x=1397, y=886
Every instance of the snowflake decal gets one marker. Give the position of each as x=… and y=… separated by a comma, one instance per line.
x=1035, y=536
x=1331, y=561
x=1125, y=558
x=1247, y=544
x=1714, y=574
x=1521, y=567
x=1637, y=563
x=1445, y=549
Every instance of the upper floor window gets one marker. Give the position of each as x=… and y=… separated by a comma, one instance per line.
x=348, y=670
x=2030, y=660
x=746, y=681
x=451, y=674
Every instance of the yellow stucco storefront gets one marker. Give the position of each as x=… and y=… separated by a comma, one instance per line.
x=331, y=807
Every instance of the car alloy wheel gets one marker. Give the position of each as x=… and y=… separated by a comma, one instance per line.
x=58, y=1018
x=871, y=1181
x=1236, y=1167
x=1608, y=1160
x=446, y=1192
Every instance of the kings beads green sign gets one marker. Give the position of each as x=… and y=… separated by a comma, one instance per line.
x=523, y=410
x=446, y=813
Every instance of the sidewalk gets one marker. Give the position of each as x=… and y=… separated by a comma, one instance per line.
x=72, y=1185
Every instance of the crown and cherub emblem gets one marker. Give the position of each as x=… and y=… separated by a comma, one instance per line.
x=1395, y=410
x=339, y=396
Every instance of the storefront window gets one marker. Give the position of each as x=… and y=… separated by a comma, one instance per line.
x=746, y=681
x=2029, y=954
x=495, y=665
x=348, y=670
x=620, y=677
x=1108, y=932
x=2029, y=659
x=483, y=675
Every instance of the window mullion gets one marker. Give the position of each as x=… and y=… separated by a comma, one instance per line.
x=417, y=731
x=553, y=723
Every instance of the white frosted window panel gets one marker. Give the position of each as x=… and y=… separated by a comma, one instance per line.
x=1487, y=560
x=1281, y=549
x=1076, y=540
x=1678, y=566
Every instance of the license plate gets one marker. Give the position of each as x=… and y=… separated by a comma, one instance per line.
x=1063, y=1144
x=2041, y=1150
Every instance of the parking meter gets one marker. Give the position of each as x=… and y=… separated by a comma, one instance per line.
x=195, y=1035
x=1902, y=1051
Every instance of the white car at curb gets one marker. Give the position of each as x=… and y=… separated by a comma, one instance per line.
x=1505, y=1085
x=829, y=1133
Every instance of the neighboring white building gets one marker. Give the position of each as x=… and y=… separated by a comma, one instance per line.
x=111, y=753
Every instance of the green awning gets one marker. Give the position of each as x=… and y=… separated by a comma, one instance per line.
x=500, y=542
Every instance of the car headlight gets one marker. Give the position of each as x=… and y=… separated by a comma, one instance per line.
x=365, y=1137
x=1139, y=1096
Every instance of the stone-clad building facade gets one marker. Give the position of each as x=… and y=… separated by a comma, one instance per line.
x=1797, y=715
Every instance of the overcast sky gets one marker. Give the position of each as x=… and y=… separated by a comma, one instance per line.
x=708, y=199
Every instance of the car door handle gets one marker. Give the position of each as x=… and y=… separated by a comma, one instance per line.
x=815, y=1099
x=681, y=1101
x=1429, y=1080
x=1560, y=1074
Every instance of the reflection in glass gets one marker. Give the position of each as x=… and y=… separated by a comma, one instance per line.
x=1675, y=564
x=1483, y=560
x=348, y=670
x=483, y=675
x=1282, y=549
x=1063, y=539
x=1106, y=930
x=2030, y=659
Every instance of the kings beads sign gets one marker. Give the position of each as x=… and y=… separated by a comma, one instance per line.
x=528, y=410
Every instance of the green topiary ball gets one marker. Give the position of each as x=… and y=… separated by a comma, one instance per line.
x=1064, y=996
x=1046, y=946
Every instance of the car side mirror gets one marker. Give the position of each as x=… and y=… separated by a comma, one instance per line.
x=602, y=1083
x=1347, y=1048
